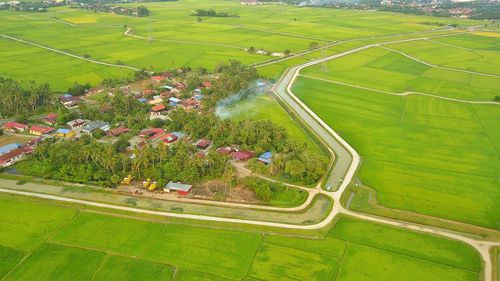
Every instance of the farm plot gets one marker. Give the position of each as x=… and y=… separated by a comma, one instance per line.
x=178, y=39
x=420, y=154
x=348, y=254
x=99, y=247
x=182, y=246
x=384, y=70
x=472, y=59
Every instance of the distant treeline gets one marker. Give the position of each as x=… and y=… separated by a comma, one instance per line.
x=140, y=11
x=213, y=13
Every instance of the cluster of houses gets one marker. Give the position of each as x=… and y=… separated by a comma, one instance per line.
x=168, y=96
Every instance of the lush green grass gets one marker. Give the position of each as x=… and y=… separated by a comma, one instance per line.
x=178, y=39
x=189, y=275
x=381, y=265
x=414, y=244
x=54, y=262
x=291, y=197
x=8, y=258
x=421, y=154
x=382, y=69
x=25, y=226
x=477, y=58
x=101, y=246
x=179, y=245
x=117, y=268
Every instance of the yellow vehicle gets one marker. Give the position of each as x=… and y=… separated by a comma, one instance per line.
x=146, y=183
x=152, y=187
x=127, y=180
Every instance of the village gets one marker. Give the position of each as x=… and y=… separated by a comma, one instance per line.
x=161, y=94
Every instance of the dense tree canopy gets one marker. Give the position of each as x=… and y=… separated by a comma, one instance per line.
x=18, y=99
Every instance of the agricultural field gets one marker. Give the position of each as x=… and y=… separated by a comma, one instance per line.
x=420, y=154
x=171, y=37
x=105, y=246
x=387, y=70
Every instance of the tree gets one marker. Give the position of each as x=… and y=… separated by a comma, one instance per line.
x=251, y=50
x=228, y=175
x=78, y=89
x=287, y=53
x=199, y=19
x=121, y=144
x=99, y=133
x=1, y=132
x=142, y=11
x=313, y=45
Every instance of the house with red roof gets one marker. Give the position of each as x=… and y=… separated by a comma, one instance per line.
x=40, y=130
x=116, y=132
x=207, y=84
x=225, y=150
x=13, y=156
x=169, y=139
x=14, y=127
x=190, y=103
x=202, y=144
x=50, y=119
x=243, y=155
x=147, y=133
x=158, y=79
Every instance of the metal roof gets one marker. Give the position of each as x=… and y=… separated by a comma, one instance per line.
x=178, y=186
x=9, y=147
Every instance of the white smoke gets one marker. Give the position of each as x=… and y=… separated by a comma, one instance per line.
x=224, y=109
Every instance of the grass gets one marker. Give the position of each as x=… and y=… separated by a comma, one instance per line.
x=478, y=57
x=24, y=226
x=9, y=257
x=291, y=197
x=178, y=245
x=178, y=39
x=117, y=268
x=420, y=154
x=100, y=247
x=54, y=262
x=384, y=70
x=382, y=265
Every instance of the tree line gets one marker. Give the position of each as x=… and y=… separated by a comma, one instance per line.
x=18, y=99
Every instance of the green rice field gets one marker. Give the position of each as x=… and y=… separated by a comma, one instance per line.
x=178, y=39
x=385, y=70
x=55, y=241
x=420, y=154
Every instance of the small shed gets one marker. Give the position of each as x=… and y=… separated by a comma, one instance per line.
x=181, y=188
x=265, y=157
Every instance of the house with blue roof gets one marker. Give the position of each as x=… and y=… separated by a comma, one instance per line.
x=8, y=148
x=265, y=157
x=64, y=133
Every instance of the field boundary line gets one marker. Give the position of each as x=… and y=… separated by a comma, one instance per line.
x=461, y=47
x=341, y=260
x=438, y=66
x=129, y=30
x=398, y=94
x=69, y=54
x=101, y=264
x=334, y=43
x=44, y=242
